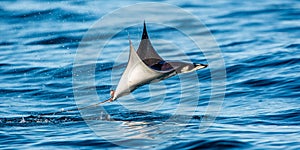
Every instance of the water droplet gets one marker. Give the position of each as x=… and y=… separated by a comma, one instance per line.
x=23, y=120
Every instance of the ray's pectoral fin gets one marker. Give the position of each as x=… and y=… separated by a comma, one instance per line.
x=146, y=51
x=136, y=74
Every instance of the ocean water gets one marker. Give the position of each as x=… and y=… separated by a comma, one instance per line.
x=260, y=45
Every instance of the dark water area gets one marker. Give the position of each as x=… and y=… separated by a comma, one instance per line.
x=260, y=44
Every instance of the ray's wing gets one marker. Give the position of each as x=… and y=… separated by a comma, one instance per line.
x=137, y=73
x=151, y=58
x=146, y=51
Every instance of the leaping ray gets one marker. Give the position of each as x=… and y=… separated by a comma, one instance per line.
x=145, y=66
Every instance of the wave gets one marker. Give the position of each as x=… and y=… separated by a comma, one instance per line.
x=289, y=117
x=61, y=117
x=46, y=15
x=211, y=144
x=57, y=40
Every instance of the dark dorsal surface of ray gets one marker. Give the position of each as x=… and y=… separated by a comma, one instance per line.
x=146, y=51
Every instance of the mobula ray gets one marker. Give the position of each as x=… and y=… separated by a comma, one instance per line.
x=145, y=66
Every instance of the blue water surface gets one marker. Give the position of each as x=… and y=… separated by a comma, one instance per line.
x=260, y=44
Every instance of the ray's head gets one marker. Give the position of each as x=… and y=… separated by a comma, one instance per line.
x=184, y=67
x=193, y=67
x=199, y=66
